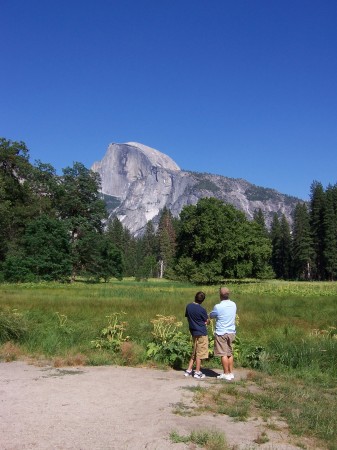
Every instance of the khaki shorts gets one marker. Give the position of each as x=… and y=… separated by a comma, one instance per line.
x=223, y=344
x=200, y=347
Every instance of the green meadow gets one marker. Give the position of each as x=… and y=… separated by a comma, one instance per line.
x=288, y=325
x=287, y=334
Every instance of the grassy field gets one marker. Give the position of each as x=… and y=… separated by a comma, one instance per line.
x=287, y=332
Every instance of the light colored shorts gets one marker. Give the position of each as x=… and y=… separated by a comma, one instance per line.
x=200, y=347
x=223, y=344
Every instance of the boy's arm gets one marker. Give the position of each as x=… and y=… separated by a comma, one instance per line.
x=205, y=317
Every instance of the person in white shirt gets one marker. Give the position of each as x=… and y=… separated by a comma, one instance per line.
x=225, y=314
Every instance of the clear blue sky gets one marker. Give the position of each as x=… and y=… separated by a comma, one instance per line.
x=245, y=89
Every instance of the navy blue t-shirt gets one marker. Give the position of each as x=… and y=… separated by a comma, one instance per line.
x=196, y=316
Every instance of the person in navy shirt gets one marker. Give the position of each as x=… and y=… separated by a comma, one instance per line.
x=197, y=320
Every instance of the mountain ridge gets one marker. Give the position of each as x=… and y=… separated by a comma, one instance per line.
x=139, y=181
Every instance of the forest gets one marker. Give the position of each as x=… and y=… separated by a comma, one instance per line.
x=56, y=228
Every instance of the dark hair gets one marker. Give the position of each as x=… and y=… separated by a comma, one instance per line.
x=199, y=297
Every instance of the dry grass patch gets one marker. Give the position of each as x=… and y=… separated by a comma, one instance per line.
x=70, y=361
x=132, y=353
x=10, y=351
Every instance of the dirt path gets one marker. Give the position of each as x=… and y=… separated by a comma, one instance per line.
x=104, y=408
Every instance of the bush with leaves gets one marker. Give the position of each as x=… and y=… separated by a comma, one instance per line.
x=169, y=345
x=113, y=335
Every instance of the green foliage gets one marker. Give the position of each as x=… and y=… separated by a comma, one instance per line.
x=16, y=268
x=166, y=238
x=208, y=439
x=168, y=345
x=185, y=269
x=120, y=237
x=111, y=261
x=112, y=335
x=220, y=243
x=252, y=356
x=258, y=193
x=47, y=249
x=13, y=326
x=45, y=253
x=206, y=185
x=303, y=252
x=281, y=242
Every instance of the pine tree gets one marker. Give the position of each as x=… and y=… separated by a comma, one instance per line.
x=146, y=253
x=16, y=197
x=303, y=252
x=260, y=243
x=330, y=234
x=286, y=246
x=317, y=207
x=275, y=235
x=122, y=239
x=166, y=236
x=80, y=205
x=258, y=218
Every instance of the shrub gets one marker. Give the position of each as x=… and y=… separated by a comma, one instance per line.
x=13, y=327
x=168, y=345
x=112, y=336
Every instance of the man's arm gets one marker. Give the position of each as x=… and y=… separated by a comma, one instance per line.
x=213, y=314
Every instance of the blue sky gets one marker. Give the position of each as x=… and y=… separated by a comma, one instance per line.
x=245, y=89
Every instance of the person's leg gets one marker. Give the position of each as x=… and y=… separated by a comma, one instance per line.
x=230, y=363
x=201, y=352
x=225, y=364
x=197, y=364
x=193, y=358
x=190, y=366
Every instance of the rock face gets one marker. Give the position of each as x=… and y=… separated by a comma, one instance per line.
x=138, y=182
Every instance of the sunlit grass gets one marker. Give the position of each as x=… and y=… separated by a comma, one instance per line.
x=293, y=323
x=271, y=313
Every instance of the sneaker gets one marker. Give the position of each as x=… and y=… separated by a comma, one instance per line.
x=231, y=375
x=188, y=373
x=199, y=375
x=224, y=376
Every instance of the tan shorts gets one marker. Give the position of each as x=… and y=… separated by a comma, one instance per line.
x=223, y=344
x=200, y=347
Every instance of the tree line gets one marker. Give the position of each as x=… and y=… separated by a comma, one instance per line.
x=56, y=227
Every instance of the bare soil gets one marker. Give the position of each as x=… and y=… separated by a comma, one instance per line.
x=103, y=408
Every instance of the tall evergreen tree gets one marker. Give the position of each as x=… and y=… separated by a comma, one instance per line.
x=286, y=247
x=16, y=199
x=166, y=237
x=80, y=205
x=122, y=239
x=276, y=256
x=146, y=254
x=110, y=261
x=259, y=219
x=317, y=207
x=281, y=247
x=303, y=252
x=330, y=234
x=261, y=246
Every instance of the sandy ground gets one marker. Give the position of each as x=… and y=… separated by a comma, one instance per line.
x=103, y=408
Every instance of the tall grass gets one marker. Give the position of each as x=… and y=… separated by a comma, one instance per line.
x=285, y=319
x=285, y=329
